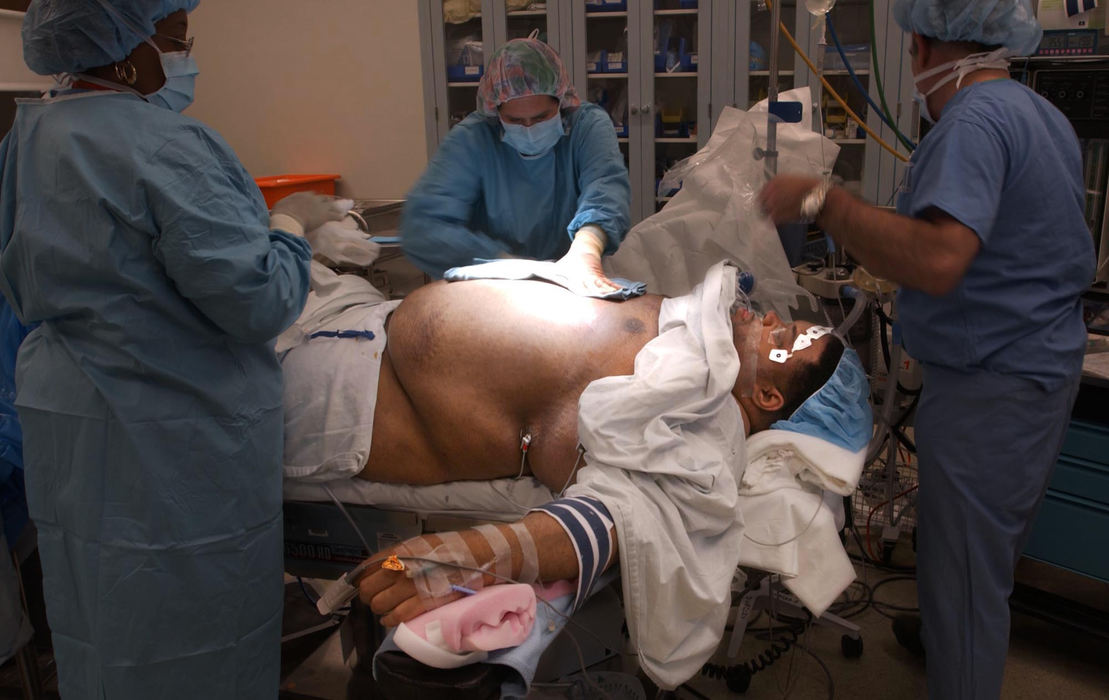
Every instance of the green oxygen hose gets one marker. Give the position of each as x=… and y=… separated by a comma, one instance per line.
x=878, y=80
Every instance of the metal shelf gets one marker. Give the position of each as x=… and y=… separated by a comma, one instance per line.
x=678, y=74
x=671, y=13
x=464, y=84
x=606, y=14
x=607, y=75
x=781, y=73
x=676, y=139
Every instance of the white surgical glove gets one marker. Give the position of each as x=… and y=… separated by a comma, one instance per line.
x=582, y=263
x=306, y=211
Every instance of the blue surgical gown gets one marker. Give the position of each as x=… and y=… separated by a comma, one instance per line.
x=13, y=500
x=480, y=199
x=150, y=397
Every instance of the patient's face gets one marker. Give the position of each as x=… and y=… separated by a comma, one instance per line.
x=773, y=334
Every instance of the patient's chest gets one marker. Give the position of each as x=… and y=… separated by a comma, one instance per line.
x=486, y=362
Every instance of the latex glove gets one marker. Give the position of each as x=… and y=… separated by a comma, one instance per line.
x=308, y=211
x=582, y=263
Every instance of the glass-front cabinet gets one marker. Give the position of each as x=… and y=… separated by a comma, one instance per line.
x=457, y=37
x=664, y=70
x=643, y=65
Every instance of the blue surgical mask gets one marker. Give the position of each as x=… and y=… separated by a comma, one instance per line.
x=535, y=140
x=181, y=71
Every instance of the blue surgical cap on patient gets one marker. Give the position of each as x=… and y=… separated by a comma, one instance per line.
x=839, y=411
x=70, y=36
x=1008, y=23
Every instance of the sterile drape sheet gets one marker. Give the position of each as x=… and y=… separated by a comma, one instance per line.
x=666, y=449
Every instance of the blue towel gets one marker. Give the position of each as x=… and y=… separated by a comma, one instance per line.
x=544, y=270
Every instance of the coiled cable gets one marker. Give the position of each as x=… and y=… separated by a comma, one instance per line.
x=738, y=676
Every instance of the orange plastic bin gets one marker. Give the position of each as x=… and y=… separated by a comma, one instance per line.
x=277, y=186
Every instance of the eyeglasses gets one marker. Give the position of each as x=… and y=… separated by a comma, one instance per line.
x=186, y=43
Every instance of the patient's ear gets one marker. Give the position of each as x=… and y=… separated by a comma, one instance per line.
x=767, y=397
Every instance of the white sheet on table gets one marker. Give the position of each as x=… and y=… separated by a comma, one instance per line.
x=499, y=499
x=790, y=496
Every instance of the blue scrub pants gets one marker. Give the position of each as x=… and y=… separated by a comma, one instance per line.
x=987, y=445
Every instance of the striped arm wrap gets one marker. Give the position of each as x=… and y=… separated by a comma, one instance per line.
x=589, y=525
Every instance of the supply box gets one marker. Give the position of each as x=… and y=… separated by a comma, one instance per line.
x=276, y=187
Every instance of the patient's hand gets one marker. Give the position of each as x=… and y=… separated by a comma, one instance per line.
x=396, y=597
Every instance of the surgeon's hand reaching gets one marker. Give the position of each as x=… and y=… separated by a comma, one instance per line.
x=783, y=197
x=582, y=263
x=306, y=211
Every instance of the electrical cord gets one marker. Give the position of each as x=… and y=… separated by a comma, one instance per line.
x=738, y=676
x=883, y=321
x=880, y=607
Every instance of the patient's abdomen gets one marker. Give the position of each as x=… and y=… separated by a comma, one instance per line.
x=484, y=361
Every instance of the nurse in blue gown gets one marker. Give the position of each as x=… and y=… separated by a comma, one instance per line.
x=533, y=173
x=149, y=394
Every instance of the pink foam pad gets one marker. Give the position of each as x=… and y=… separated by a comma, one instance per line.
x=493, y=618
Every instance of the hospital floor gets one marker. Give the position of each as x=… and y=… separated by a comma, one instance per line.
x=1046, y=659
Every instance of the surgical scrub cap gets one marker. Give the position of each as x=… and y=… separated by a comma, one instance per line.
x=70, y=36
x=1008, y=23
x=839, y=411
x=520, y=68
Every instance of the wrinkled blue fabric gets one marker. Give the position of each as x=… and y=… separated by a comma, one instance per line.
x=542, y=270
x=149, y=395
x=1008, y=23
x=987, y=445
x=839, y=411
x=480, y=199
x=70, y=36
x=13, y=500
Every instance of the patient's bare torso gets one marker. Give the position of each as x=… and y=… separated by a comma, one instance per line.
x=472, y=366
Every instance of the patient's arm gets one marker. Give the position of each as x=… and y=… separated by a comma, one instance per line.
x=393, y=596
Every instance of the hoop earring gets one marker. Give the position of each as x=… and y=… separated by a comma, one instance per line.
x=125, y=72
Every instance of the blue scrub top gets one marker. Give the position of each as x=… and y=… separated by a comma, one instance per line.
x=1006, y=163
x=480, y=199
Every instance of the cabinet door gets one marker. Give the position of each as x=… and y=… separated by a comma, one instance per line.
x=646, y=63
x=454, y=41
x=851, y=20
x=458, y=36
x=675, y=112
x=516, y=19
x=606, y=72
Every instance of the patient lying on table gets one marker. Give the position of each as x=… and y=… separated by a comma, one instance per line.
x=644, y=405
x=481, y=380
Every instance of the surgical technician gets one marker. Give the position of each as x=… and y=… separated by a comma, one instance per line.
x=992, y=252
x=149, y=394
x=533, y=173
